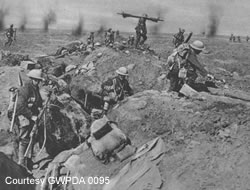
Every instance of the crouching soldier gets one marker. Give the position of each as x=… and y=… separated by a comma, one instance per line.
x=183, y=64
x=116, y=89
x=27, y=109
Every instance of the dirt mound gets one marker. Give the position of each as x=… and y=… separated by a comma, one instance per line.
x=12, y=59
x=201, y=132
x=143, y=69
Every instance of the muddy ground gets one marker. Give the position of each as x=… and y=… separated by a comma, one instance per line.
x=207, y=139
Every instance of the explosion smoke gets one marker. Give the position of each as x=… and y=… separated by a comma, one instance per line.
x=79, y=28
x=100, y=31
x=23, y=23
x=3, y=13
x=49, y=19
x=213, y=20
x=155, y=29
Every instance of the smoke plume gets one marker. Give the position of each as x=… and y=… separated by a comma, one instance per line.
x=23, y=23
x=213, y=20
x=100, y=31
x=155, y=29
x=3, y=13
x=49, y=19
x=78, y=30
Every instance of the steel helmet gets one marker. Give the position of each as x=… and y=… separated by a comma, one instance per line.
x=197, y=45
x=122, y=71
x=36, y=74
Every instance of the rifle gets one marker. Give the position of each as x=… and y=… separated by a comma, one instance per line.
x=15, y=34
x=189, y=37
x=35, y=127
x=125, y=15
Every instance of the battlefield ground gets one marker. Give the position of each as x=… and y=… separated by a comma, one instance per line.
x=207, y=138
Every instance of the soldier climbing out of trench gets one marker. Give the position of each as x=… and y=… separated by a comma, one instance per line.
x=28, y=104
x=116, y=89
x=183, y=64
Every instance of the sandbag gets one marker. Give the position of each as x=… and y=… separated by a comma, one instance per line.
x=104, y=147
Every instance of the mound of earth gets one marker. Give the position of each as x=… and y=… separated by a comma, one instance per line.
x=207, y=140
x=144, y=71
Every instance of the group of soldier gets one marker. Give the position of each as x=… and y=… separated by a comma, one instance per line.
x=28, y=105
x=182, y=69
x=234, y=38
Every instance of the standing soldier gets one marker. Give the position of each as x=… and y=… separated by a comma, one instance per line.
x=112, y=37
x=239, y=39
x=91, y=39
x=10, y=35
x=29, y=102
x=107, y=38
x=140, y=29
x=116, y=89
x=178, y=38
x=183, y=64
x=234, y=38
x=231, y=38
x=247, y=38
x=117, y=33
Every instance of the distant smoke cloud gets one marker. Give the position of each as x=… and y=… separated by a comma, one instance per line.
x=78, y=30
x=214, y=17
x=155, y=29
x=23, y=23
x=100, y=31
x=49, y=18
x=3, y=12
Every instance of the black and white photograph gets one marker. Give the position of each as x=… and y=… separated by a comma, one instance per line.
x=124, y=95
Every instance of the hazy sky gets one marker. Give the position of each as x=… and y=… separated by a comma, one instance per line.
x=193, y=15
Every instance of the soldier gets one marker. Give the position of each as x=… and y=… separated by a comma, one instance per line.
x=247, y=38
x=90, y=40
x=112, y=37
x=239, y=40
x=141, y=30
x=117, y=33
x=231, y=38
x=183, y=65
x=116, y=89
x=107, y=38
x=10, y=35
x=131, y=40
x=178, y=38
x=28, y=103
x=234, y=38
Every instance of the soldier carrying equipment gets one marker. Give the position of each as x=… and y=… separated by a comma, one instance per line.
x=141, y=29
x=27, y=109
x=183, y=64
x=11, y=35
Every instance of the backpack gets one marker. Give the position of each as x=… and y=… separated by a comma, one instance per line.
x=106, y=139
